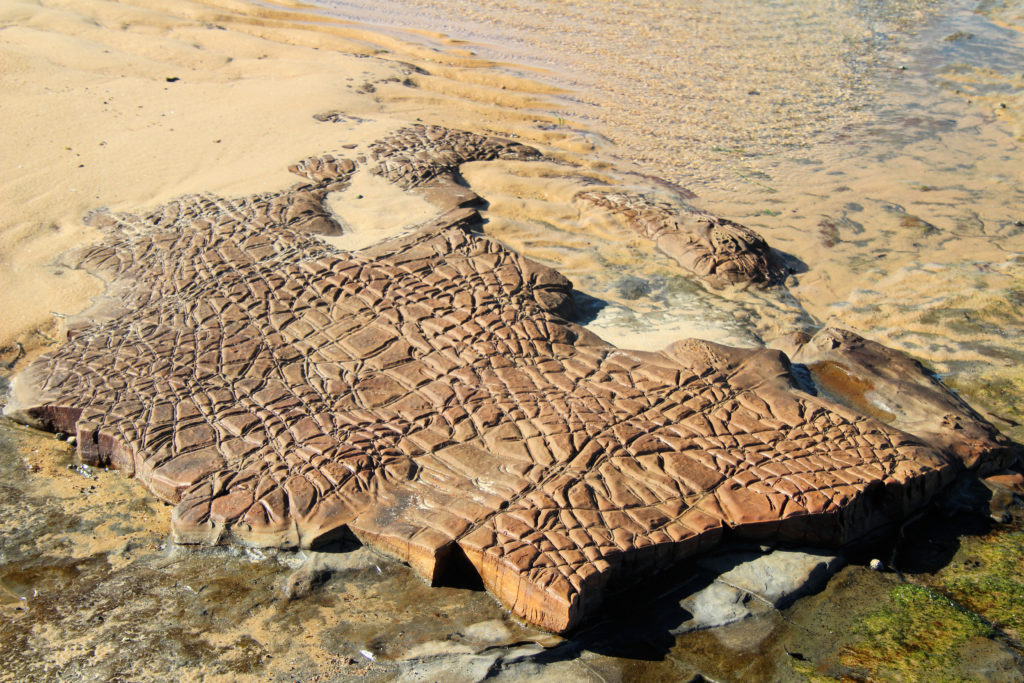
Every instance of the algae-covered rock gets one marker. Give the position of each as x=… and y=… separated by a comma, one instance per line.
x=918, y=635
x=987, y=580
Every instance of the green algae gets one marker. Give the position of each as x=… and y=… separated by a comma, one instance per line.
x=960, y=617
x=986, y=580
x=918, y=635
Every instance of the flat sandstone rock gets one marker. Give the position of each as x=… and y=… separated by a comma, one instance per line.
x=428, y=395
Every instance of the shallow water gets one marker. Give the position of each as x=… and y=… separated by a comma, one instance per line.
x=681, y=88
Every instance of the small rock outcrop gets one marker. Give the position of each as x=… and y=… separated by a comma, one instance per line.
x=894, y=388
x=427, y=159
x=718, y=251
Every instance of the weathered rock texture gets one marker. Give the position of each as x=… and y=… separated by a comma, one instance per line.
x=426, y=394
x=896, y=389
x=742, y=584
x=716, y=250
x=427, y=159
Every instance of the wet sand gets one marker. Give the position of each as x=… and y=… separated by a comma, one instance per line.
x=898, y=188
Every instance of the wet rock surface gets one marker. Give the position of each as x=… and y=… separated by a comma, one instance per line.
x=718, y=251
x=428, y=395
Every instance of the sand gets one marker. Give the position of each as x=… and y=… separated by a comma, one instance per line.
x=363, y=222
x=124, y=106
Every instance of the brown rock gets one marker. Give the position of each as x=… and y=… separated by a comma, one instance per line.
x=898, y=390
x=718, y=251
x=426, y=394
x=427, y=158
x=1010, y=481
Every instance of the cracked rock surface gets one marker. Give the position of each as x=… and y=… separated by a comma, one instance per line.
x=418, y=154
x=716, y=250
x=427, y=159
x=428, y=395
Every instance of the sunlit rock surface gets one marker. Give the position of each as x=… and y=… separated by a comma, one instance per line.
x=430, y=395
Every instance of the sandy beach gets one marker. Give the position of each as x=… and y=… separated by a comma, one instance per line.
x=898, y=218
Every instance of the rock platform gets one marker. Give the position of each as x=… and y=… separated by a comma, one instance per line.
x=430, y=395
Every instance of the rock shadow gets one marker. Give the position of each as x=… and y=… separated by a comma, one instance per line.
x=930, y=542
x=790, y=263
x=586, y=308
x=740, y=583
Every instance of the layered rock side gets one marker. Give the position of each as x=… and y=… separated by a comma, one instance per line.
x=428, y=395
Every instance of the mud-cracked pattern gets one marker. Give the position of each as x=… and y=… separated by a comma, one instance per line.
x=417, y=154
x=718, y=251
x=425, y=394
x=427, y=159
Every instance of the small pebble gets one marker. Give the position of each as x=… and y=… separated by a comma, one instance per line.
x=61, y=436
x=876, y=565
x=72, y=440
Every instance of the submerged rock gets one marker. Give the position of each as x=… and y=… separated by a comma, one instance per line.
x=427, y=395
x=718, y=251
